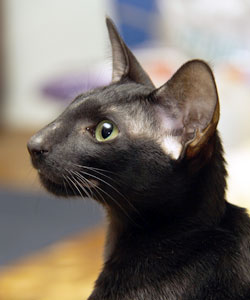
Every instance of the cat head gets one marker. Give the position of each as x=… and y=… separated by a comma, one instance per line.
x=130, y=140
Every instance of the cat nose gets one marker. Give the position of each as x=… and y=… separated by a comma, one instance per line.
x=36, y=147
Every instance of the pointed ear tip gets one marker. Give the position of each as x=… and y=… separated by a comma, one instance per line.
x=107, y=19
x=199, y=63
x=109, y=22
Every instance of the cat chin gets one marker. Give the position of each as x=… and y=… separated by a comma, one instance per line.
x=58, y=189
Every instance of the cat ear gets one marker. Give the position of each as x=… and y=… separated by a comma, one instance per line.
x=190, y=105
x=124, y=62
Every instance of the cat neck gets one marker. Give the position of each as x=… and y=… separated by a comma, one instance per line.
x=201, y=204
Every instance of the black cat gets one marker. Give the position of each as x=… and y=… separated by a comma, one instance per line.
x=153, y=158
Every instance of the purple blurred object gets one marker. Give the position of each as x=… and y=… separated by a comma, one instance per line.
x=67, y=87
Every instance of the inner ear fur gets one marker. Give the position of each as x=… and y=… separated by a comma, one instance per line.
x=190, y=101
x=124, y=62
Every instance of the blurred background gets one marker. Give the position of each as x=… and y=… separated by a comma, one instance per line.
x=52, y=50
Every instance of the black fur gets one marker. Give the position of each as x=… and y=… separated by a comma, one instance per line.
x=172, y=235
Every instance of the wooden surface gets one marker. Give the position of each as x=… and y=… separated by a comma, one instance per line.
x=15, y=167
x=65, y=271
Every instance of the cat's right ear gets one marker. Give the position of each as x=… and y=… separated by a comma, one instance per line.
x=125, y=65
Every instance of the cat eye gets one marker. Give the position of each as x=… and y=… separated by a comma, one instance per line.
x=106, y=131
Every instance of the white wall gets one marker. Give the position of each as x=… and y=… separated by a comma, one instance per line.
x=45, y=38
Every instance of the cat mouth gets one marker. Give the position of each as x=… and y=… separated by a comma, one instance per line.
x=64, y=185
x=90, y=183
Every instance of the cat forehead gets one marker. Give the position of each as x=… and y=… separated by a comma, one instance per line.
x=115, y=94
x=124, y=103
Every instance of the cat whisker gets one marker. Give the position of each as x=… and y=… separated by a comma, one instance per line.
x=83, y=188
x=92, y=168
x=117, y=203
x=108, y=177
x=112, y=198
x=70, y=184
x=111, y=186
x=100, y=172
x=102, y=180
x=81, y=177
x=84, y=181
x=77, y=185
x=106, y=193
x=65, y=186
x=87, y=183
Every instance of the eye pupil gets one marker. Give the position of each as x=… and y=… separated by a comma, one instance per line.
x=107, y=129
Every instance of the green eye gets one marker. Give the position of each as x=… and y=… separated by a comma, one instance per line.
x=106, y=131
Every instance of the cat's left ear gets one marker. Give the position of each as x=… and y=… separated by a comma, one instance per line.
x=124, y=62
x=189, y=109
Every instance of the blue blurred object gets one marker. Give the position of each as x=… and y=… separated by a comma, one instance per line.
x=137, y=20
x=31, y=221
